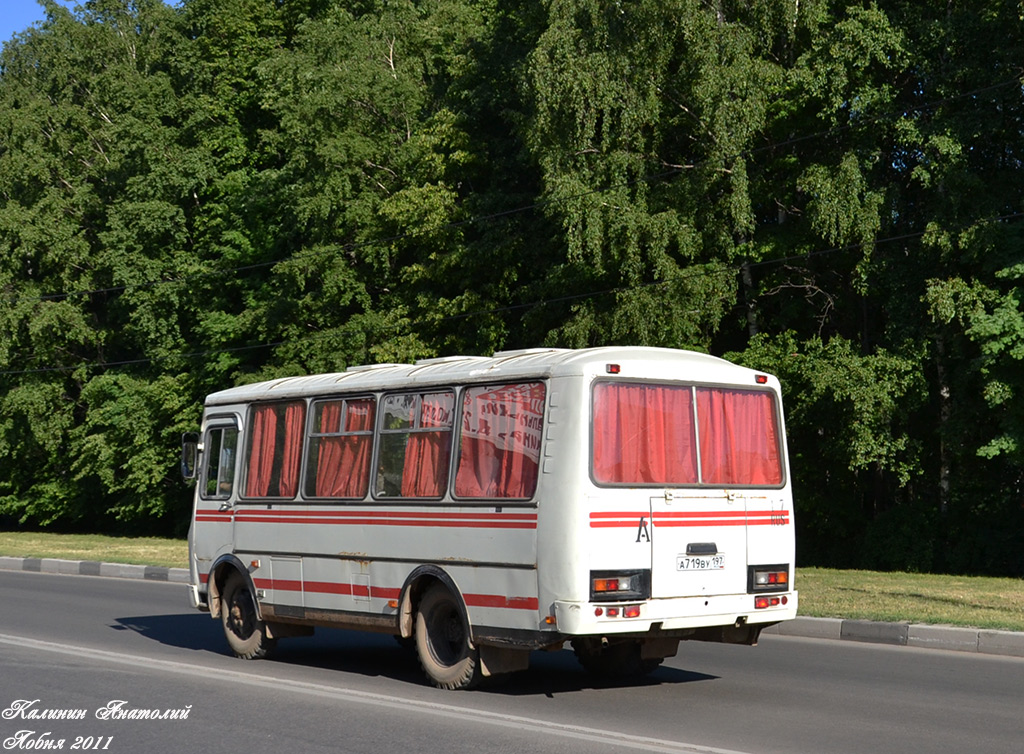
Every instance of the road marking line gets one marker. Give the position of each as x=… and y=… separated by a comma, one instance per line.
x=597, y=735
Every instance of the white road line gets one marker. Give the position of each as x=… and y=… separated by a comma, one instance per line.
x=596, y=735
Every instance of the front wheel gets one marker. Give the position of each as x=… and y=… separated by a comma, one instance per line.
x=442, y=641
x=245, y=631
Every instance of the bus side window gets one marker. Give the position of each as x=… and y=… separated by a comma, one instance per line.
x=340, y=443
x=499, y=441
x=220, y=454
x=415, y=445
x=274, y=449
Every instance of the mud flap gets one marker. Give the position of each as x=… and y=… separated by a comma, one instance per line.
x=741, y=633
x=658, y=649
x=499, y=660
x=287, y=630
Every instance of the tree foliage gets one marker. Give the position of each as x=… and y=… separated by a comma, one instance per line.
x=215, y=192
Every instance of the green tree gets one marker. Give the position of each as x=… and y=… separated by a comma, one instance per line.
x=83, y=106
x=218, y=192
x=853, y=450
x=643, y=114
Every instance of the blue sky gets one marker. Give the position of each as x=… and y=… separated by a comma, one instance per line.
x=18, y=15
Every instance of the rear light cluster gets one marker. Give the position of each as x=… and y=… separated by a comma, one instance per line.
x=768, y=578
x=625, y=611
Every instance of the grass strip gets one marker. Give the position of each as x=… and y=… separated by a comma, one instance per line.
x=172, y=553
x=973, y=601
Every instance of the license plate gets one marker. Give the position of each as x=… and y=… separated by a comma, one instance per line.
x=700, y=562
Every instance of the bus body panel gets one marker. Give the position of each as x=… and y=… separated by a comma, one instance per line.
x=522, y=568
x=699, y=543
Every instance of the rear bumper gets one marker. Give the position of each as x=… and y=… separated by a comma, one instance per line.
x=678, y=613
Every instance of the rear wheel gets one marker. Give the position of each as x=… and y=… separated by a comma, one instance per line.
x=616, y=659
x=245, y=631
x=442, y=641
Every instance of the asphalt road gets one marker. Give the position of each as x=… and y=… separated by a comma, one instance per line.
x=116, y=650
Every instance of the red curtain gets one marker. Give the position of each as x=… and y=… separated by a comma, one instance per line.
x=294, y=420
x=643, y=434
x=269, y=475
x=355, y=455
x=738, y=438
x=328, y=462
x=261, y=451
x=343, y=464
x=425, y=472
x=499, y=450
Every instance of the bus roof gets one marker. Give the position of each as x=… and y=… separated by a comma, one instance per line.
x=533, y=363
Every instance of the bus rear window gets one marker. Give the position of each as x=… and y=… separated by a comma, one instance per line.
x=646, y=434
x=739, y=443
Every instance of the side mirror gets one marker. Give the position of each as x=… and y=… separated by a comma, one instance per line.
x=189, y=455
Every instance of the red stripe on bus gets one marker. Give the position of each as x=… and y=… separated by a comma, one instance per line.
x=702, y=522
x=412, y=521
x=361, y=590
x=327, y=587
x=700, y=514
x=629, y=519
x=389, y=515
x=374, y=518
x=497, y=600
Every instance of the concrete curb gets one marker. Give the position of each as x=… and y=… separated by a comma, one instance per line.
x=951, y=638
x=94, y=568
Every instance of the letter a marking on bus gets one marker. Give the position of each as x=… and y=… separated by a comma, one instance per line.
x=642, y=531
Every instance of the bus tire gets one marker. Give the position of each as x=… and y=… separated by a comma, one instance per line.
x=619, y=659
x=243, y=628
x=442, y=641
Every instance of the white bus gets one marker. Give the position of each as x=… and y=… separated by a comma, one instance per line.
x=620, y=499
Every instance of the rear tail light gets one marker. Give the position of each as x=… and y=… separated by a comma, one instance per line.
x=768, y=578
x=625, y=611
x=614, y=584
x=618, y=586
